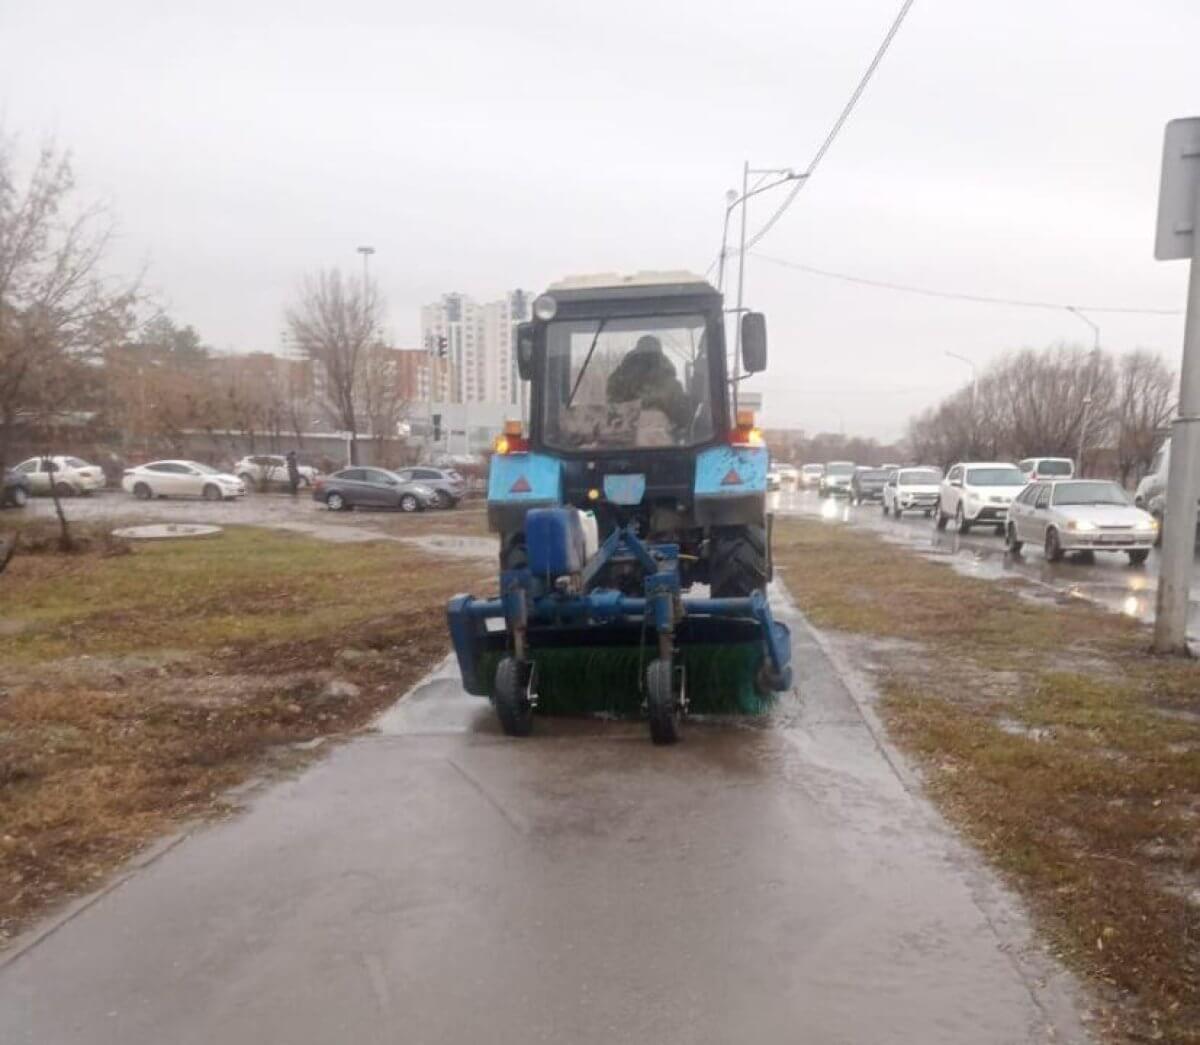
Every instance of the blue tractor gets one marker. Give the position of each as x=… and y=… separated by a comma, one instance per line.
x=635, y=482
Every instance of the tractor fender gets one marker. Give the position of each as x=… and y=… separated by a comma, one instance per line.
x=731, y=485
x=518, y=482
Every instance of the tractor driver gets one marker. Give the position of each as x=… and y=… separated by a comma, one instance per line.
x=648, y=376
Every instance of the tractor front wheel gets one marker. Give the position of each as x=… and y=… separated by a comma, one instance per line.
x=510, y=693
x=662, y=702
x=737, y=562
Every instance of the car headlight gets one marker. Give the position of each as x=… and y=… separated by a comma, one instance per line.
x=1081, y=525
x=1147, y=525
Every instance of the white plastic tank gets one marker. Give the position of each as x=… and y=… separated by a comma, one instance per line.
x=591, y=533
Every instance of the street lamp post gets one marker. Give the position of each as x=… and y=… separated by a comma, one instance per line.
x=366, y=253
x=974, y=386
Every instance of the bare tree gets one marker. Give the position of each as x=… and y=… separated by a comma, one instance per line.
x=55, y=307
x=335, y=322
x=1029, y=402
x=384, y=404
x=158, y=385
x=1144, y=401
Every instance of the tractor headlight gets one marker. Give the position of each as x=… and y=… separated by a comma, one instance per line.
x=545, y=308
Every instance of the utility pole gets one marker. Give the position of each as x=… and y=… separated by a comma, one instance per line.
x=737, y=336
x=974, y=386
x=732, y=200
x=1179, y=237
x=1083, y=423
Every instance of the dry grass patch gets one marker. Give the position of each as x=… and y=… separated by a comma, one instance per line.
x=1068, y=754
x=138, y=688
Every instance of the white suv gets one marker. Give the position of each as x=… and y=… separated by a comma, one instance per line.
x=911, y=490
x=1038, y=468
x=978, y=493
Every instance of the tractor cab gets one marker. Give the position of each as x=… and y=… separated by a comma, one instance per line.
x=630, y=394
x=637, y=367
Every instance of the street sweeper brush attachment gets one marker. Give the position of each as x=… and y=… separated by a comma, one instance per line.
x=570, y=648
x=589, y=678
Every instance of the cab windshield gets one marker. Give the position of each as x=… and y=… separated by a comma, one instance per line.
x=627, y=382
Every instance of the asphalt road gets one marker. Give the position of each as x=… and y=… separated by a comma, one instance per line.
x=434, y=882
x=1107, y=579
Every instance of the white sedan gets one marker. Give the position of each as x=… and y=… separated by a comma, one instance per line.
x=71, y=475
x=1075, y=515
x=181, y=479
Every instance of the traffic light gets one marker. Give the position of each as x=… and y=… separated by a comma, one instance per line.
x=437, y=428
x=442, y=345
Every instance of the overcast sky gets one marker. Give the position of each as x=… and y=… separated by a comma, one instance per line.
x=1008, y=149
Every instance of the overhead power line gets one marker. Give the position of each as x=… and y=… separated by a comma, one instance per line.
x=982, y=299
x=840, y=122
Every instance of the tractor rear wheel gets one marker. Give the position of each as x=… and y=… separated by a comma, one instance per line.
x=662, y=703
x=737, y=562
x=510, y=693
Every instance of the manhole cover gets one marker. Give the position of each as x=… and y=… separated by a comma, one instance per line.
x=166, y=531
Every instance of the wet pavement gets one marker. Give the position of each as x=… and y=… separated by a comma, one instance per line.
x=435, y=882
x=1107, y=579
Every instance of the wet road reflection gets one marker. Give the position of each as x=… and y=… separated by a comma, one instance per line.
x=1106, y=579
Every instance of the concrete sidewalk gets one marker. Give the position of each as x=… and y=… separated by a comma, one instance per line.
x=439, y=883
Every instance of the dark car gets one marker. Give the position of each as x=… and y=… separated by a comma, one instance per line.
x=445, y=482
x=15, y=493
x=867, y=485
x=372, y=488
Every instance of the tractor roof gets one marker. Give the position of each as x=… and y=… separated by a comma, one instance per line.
x=641, y=284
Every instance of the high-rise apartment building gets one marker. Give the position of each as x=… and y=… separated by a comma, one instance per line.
x=478, y=341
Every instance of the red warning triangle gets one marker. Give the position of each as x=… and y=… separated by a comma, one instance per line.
x=732, y=478
x=522, y=485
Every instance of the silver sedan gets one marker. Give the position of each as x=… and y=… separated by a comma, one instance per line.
x=1073, y=515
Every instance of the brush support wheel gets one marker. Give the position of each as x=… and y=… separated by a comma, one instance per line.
x=663, y=706
x=510, y=693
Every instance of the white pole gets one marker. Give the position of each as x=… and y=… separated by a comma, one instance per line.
x=1183, y=478
x=737, y=337
x=1087, y=405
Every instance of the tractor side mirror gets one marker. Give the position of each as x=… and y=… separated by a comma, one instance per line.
x=525, y=350
x=754, y=342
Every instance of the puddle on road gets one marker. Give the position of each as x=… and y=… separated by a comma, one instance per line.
x=456, y=547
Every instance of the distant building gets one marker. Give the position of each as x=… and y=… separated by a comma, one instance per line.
x=420, y=376
x=477, y=342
